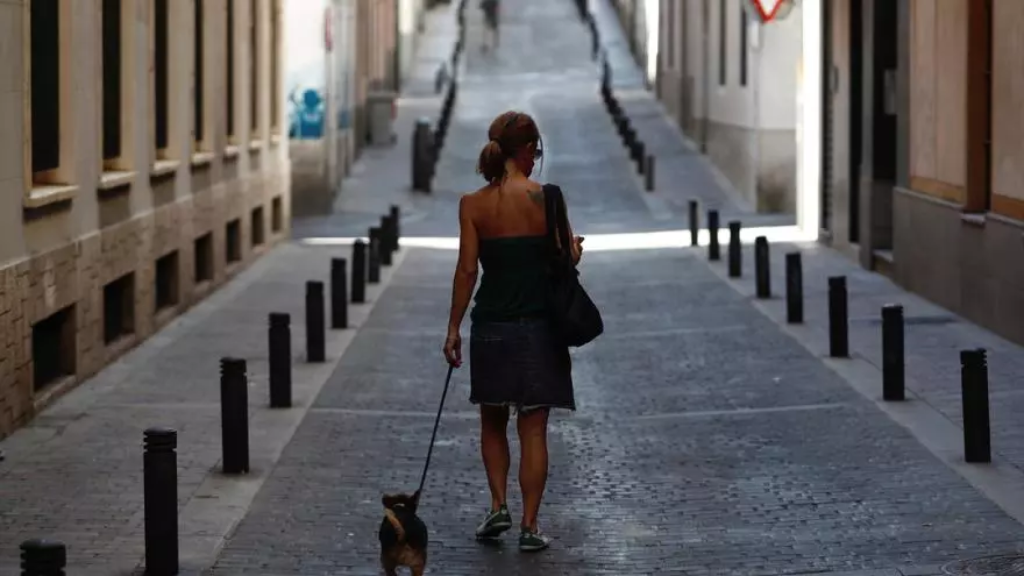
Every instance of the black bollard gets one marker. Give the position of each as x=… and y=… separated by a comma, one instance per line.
x=396, y=228
x=892, y=353
x=339, y=293
x=280, y=347
x=649, y=172
x=838, y=321
x=638, y=156
x=234, y=415
x=794, y=289
x=735, y=250
x=373, y=277
x=359, y=272
x=385, y=241
x=48, y=558
x=694, y=223
x=974, y=391
x=315, y=330
x=630, y=136
x=762, y=268
x=160, y=500
x=714, y=251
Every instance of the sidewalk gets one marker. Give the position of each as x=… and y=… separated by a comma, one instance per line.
x=74, y=474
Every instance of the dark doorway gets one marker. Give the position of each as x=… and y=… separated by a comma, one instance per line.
x=884, y=119
x=855, y=88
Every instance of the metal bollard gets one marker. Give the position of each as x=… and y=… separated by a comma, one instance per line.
x=373, y=277
x=315, y=331
x=892, y=353
x=339, y=293
x=280, y=347
x=396, y=229
x=694, y=223
x=714, y=251
x=762, y=268
x=630, y=136
x=359, y=272
x=234, y=415
x=46, y=558
x=649, y=172
x=160, y=500
x=735, y=250
x=974, y=392
x=385, y=241
x=794, y=289
x=422, y=155
x=638, y=155
x=838, y=321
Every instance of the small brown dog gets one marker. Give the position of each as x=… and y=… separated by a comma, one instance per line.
x=403, y=536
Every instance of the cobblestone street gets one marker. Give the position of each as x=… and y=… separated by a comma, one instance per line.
x=709, y=439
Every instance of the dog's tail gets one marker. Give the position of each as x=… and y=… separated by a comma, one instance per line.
x=395, y=523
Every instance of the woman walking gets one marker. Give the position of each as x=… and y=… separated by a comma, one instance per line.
x=516, y=361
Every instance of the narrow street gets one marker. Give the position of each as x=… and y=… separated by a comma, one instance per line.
x=706, y=441
x=710, y=438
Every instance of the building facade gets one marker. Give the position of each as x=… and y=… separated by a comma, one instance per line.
x=142, y=164
x=924, y=175
x=731, y=85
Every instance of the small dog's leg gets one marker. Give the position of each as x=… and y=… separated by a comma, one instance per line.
x=418, y=567
x=389, y=565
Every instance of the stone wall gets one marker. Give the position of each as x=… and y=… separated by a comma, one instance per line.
x=75, y=274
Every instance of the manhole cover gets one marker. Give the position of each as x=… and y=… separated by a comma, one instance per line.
x=1007, y=565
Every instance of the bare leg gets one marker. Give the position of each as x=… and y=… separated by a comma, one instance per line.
x=533, y=466
x=494, y=448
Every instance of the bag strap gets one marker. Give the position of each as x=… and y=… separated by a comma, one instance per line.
x=557, y=222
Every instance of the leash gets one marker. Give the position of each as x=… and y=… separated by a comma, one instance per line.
x=437, y=421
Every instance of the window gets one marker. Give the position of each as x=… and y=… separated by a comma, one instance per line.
x=45, y=84
x=722, y=34
x=160, y=37
x=111, y=79
x=257, y=225
x=119, y=308
x=744, y=24
x=197, y=95
x=276, y=214
x=254, y=67
x=167, y=281
x=203, y=258
x=275, y=23
x=234, y=241
x=230, y=76
x=53, y=348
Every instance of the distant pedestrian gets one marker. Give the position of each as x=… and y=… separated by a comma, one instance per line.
x=516, y=360
x=491, y=10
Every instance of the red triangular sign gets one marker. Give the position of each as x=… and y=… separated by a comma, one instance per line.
x=768, y=8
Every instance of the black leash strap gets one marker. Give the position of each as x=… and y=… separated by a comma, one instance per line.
x=440, y=409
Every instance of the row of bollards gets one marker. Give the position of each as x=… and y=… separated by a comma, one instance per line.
x=973, y=363
x=645, y=163
x=159, y=461
x=427, y=142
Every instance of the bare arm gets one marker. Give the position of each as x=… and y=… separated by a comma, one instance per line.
x=466, y=270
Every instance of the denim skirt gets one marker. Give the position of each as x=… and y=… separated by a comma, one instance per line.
x=521, y=364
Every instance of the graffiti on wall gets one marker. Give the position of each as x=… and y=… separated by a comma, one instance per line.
x=305, y=81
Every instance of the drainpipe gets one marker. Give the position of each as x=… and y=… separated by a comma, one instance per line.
x=706, y=17
x=756, y=32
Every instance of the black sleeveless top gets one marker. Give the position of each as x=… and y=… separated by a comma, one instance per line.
x=514, y=281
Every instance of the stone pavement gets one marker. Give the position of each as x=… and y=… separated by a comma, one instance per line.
x=708, y=440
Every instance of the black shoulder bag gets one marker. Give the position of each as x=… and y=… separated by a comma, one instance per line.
x=570, y=308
